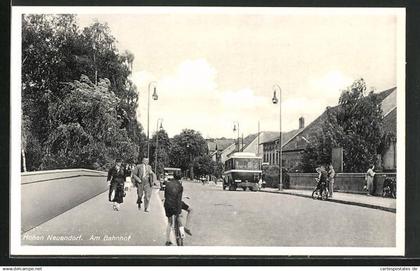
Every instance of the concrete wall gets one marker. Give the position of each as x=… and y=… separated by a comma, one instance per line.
x=389, y=158
x=47, y=194
x=344, y=182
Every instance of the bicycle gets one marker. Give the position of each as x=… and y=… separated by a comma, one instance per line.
x=175, y=226
x=320, y=191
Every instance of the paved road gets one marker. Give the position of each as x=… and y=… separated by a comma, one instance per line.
x=233, y=218
x=222, y=218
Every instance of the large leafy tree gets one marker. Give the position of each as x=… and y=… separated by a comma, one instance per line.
x=55, y=52
x=355, y=125
x=203, y=165
x=87, y=128
x=185, y=148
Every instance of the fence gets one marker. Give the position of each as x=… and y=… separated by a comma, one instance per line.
x=344, y=182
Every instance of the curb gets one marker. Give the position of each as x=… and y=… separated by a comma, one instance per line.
x=372, y=206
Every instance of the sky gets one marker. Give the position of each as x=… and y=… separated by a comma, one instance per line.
x=216, y=68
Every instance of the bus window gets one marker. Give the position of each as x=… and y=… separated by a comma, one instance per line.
x=247, y=163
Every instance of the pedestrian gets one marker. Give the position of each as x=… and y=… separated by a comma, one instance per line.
x=143, y=180
x=128, y=172
x=370, y=174
x=331, y=177
x=116, y=178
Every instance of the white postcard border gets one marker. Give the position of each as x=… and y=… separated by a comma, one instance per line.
x=16, y=247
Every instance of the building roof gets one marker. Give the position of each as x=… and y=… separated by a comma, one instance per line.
x=382, y=97
x=390, y=122
x=287, y=136
x=268, y=136
x=219, y=144
x=383, y=94
x=264, y=136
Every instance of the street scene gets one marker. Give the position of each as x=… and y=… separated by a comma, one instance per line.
x=222, y=218
x=247, y=128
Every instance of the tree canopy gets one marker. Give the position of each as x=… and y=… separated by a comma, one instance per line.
x=65, y=72
x=185, y=147
x=355, y=125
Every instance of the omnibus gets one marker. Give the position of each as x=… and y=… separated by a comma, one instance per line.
x=168, y=174
x=242, y=170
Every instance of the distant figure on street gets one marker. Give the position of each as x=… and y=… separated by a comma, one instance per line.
x=116, y=177
x=331, y=176
x=370, y=174
x=143, y=179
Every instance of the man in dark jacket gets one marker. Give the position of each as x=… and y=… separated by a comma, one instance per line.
x=173, y=202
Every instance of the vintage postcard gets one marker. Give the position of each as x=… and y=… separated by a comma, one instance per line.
x=208, y=131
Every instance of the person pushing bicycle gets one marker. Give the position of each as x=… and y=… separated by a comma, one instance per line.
x=322, y=179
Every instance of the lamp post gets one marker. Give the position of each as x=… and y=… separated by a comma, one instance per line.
x=276, y=100
x=236, y=124
x=155, y=97
x=157, y=140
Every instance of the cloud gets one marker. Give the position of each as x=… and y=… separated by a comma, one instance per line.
x=192, y=78
x=241, y=99
x=190, y=98
x=330, y=85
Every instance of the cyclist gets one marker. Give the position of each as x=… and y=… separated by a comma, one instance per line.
x=173, y=203
x=322, y=179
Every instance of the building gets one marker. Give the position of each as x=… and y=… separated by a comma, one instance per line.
x=217, y=146
x=270, y=148
x=250, y=143
x=296, y=141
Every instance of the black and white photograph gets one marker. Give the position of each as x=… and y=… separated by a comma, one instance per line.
x=207, y=131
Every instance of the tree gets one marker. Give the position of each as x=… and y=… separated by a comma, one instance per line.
x=163, y=149
x=85, y=128
x=185, y=147
x=217, y=169
x=203, y=165
x=355, y=125
x=55, y=52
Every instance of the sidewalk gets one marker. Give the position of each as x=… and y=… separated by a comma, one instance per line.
x=385, y=204
x=95, y=223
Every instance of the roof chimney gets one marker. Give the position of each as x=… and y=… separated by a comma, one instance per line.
x=301, y=122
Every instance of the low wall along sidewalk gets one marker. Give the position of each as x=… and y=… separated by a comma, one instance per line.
x=344, y=182
x=47, y=194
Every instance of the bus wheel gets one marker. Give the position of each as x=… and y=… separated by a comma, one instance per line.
x=244, y=188
x=224, y=187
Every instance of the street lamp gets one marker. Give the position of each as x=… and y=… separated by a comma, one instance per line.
x=236, y=124
x=276, y=100
x=157, y=140
x=155, y=97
